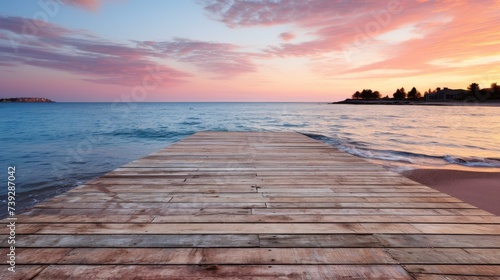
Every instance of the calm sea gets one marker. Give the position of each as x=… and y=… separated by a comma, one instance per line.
x=57, y=146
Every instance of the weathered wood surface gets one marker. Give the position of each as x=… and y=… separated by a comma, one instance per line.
x=249, y=205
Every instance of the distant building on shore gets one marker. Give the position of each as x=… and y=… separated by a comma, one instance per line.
x=446, y=94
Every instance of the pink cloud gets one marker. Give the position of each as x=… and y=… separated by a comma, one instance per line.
x=90, y=5
x=30, y=27
x=222, y=59
x=439, y=28
x=287, y=36
x=333, y=23
x=78, y=52
x=97, y=60
x=271, y=12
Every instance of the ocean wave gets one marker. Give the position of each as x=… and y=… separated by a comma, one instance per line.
x=323, y=138
x=360, y=150
x=293, y=125
x=149, y=133
x=473, y=161
x=390, y=155
x=189, y=123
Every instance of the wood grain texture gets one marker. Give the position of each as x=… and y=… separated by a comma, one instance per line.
x=212, y=272
x=253, y=205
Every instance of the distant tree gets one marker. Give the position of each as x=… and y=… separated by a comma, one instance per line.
x=400, y=94
x=368, y=94
x=495, y=91
x=414, y=94
x=386, y=97
x=356, y=95
x=397, y=94
x=484, y=94
x=438, y=89
x=473, y=88
x=495, y=87
x=474, y=93
x=365, y=93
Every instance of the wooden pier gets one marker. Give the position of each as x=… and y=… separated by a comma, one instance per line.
x=249, y=205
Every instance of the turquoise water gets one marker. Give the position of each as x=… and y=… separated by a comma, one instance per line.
x=56, y=146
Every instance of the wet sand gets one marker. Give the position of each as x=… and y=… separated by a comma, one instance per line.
x=481, y=189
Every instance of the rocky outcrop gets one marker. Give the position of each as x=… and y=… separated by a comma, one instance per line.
x=25, y=99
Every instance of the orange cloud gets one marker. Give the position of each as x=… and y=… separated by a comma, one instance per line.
x=412, y=37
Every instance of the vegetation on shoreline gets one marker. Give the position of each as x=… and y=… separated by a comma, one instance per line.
x=473, y=94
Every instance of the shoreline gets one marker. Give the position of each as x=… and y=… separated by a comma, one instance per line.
x=415, y=103
x=480, y=189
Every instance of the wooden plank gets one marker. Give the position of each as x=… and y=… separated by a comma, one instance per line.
x=254, y=205
x=439, y=241
x=112, y=197
x=134, y=241
x=377, y=205
x=243, y=228
x=225, y=188
x=242, y=205
x=258, y=228
x=458, y=229
x=22, y=272
x=355, y=187
x=228, y=256
x=270, y=272
x=19, y=229
x=445, y=256
x=156, y=205
x=146, y=211
x=242, y=197
x=465, y=270
x=134, y=181
x=100, y=205
x=489, y=256
x=32, y=256
x=329, y=193
x=319, y=241
x=450, y=277
x=98, y=218
x=368, y=211
x=319, y=219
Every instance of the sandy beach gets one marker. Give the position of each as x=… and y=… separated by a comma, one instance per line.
x=481, y=189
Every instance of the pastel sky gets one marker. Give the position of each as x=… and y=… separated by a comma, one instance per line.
x=243, y=50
